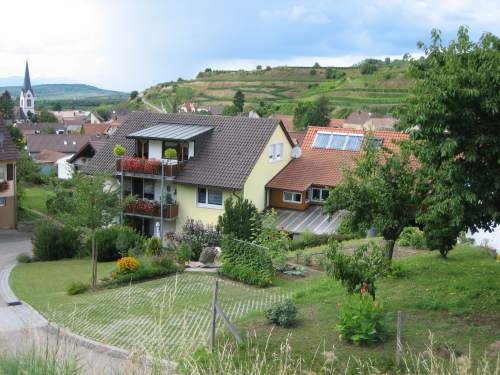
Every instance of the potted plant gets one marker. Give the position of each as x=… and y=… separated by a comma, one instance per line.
x=170, y=154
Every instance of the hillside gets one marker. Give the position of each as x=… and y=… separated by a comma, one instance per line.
x=69, y=92
x=283, y=87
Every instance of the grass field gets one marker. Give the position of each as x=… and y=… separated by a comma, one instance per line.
x=457, y=300
x=35, y=198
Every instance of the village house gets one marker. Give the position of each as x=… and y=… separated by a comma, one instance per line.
x=301, y=188
x=215, y=157
x=8, y=188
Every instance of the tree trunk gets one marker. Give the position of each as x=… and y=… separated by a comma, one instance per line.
x=94, y=262
x=389, y=249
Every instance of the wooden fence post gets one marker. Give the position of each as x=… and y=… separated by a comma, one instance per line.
x=399, y=346
x=214, y=316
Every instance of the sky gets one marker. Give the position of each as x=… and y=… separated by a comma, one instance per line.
x=129, y=44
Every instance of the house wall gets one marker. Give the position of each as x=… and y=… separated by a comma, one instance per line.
x=64, y=169
x=276, y=200
x=188, y=208
x=254, y=188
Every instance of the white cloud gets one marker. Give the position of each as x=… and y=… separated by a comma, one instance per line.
x=296, y=13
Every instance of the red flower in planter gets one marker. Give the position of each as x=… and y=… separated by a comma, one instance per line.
x=152, y=166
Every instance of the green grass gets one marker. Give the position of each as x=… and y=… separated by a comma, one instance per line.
x=457, y=299
x=35, y=198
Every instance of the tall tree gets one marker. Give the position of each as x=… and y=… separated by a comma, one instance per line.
x=380, y=191
x=6, y=106
x=239, y=100
x=240, y=219
x=454, y=107
x=312, y=113
x=94, y=204
x=47, y=116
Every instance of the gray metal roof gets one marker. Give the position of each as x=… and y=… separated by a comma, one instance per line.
x=312, y=219
x=176, y=132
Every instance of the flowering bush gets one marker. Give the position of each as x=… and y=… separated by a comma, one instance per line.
x=362, y=321
x=127, y=265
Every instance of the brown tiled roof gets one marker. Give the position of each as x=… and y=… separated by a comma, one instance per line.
x=323, y=167
x=8, y=151
x=49, y=155
x=224, y=158
x=38, y=142
x=40, y=127
x=336, y=122
x=95, y=145
x=93, y=129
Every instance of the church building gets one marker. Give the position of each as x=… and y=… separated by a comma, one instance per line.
x=27, y=96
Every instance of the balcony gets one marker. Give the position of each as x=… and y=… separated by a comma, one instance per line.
x=150, y=167
x=150, y=208
x=4, y=186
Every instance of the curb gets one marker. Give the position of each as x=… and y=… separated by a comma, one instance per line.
x=7, y=293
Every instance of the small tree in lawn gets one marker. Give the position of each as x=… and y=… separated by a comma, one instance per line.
x=380, y=191
x=94, y=204
x=239, y=100
x=240, y=219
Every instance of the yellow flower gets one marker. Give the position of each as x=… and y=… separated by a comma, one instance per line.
x=127, y=264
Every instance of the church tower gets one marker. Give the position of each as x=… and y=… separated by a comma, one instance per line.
x=27, y=97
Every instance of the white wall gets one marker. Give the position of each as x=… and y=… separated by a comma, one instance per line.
x=155, y=148
x=64, y=169
x=489, y=239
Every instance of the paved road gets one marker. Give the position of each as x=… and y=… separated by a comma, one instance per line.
x=22, y=329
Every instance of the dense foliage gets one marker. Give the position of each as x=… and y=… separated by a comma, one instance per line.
x=239, y=100
x=246, y=262
x=362, y=321
x=52, y=241
x=116, y=241
x=282, y=314
x=6, y=106
x=240, y=219
x=154, y=246
x=312, y=113
x=454, y=109
x=147, y=268
x=357, y=272
x=197, y=235
x=412, y=236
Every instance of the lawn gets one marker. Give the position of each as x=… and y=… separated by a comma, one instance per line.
x=457, y=299
x=35, y=198
x=166, y=317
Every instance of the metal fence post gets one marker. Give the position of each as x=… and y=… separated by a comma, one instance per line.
x=399, y=346
x=214, y=316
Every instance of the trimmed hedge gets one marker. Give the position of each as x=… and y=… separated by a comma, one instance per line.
x=53, y=241
x=246, y=262
x=116, y=241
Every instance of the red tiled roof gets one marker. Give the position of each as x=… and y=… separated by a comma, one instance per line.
x=49, y=156
x=93, y=129
x=323, y=167
x=336, y=122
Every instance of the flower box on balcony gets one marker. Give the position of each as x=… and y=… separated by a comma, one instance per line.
x=147, y=166
x=148, y=207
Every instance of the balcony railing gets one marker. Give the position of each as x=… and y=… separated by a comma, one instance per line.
x=151, y=208
x=148, y=166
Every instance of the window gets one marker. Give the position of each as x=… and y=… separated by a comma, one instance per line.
x=336, y=141
x=28, y=102
x=275, y=152
x=3, y=201
x=149, y=189
x=3, y=173
x=209, y=197
x=292, y=197
x=320, y=194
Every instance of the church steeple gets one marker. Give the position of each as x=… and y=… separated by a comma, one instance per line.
x=27, y=80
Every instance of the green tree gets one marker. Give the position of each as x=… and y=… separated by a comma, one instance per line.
x=17, y=136
x=6, y=106
x=27, y=171
x=369, y=66
x=454, y=109
x=312, y=113
x=230, y=110
x=133, y=94
x=316, y=65
x=47, y=116
x=104, y=113
x=94, y=204
x=312, y=72
x=57, y=107
x=264, y=109
x=259, y=67
x=240, y=219
x=239, y=100
x=379, y=191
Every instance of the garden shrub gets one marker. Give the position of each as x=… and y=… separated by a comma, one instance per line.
x=240, y=219
x=148, y=268
x=116, y=241
x=127, y=265
x=53, y=241
x=412, y=236
x=359, y=272
x=59, y=203
x=282, y=314
x=198, y=235
x=154, y=246
x=183, y=252
x=313, y=240
x=77, y=287
x=24, y=258
x=362, y=321
x=347, y=228
x=246, y=262
x=276, y=241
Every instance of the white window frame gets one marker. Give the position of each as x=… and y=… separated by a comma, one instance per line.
x=294, y=194
x=3, y=172
x=3, y=201
x=321, y=192
x=331, y=135
x=206, y=204
x=276, y=152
